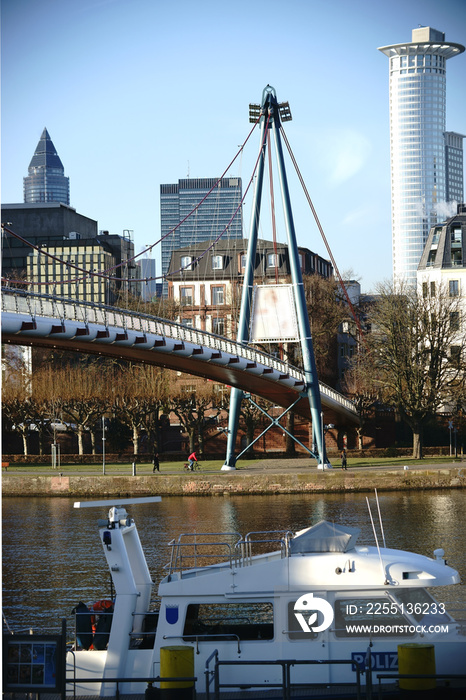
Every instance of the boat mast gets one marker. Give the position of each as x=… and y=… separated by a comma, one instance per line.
x=271, y=113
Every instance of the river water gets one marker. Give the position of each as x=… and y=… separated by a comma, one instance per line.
x=52, y=556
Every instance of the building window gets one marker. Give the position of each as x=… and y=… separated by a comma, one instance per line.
x=218, y=296
x=454, y=321
x=456, y=238
x=217, y=262
x=186, y=296
x=432, y=256
x=272, y=260
x=456, y=258
x=242, y=262
x=432, y=289
x=455, y=355
x=218, y=326
x=424, y=290
x=186, y=262
x=454, y=287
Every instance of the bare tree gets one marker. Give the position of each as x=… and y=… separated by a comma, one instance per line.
x=416, y=353
x=138, y=397
x=326, y=312
x=362, y=387
x=83, y=400
x=195, y=410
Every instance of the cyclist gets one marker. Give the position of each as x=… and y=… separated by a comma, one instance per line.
x=192, y=460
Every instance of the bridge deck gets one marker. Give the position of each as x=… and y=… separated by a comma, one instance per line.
x=31, y=319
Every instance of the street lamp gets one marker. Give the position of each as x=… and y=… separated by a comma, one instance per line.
x=103, y=445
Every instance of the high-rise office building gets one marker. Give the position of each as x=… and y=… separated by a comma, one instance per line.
x=454, y=166
x=215, y=215
x=418, y=143
x=46, y=181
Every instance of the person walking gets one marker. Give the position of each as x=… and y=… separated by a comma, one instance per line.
x=344, y=460
x=155, y=462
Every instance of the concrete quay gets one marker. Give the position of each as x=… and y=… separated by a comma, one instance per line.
x=265, y=477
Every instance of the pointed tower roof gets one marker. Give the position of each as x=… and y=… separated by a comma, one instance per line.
x=45, y=155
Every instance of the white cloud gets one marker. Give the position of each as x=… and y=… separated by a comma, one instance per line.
x=348, y=153
x=341, y=153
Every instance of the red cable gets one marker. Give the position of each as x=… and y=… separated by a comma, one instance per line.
x=272, y=205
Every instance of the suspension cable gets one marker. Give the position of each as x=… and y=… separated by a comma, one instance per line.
x=324, y=238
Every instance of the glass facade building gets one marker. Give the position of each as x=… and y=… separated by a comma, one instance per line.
x=454, y=166
x=418, y=146
x=46, y=181
x=210, y=217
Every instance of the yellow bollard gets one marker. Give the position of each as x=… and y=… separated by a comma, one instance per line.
x=176, y=661
x=416, y=658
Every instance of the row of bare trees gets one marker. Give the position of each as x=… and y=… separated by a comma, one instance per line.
x=136, y=400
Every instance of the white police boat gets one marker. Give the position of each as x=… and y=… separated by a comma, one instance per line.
x=317, y=609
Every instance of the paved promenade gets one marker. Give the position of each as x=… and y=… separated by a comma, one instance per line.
x=300, y=464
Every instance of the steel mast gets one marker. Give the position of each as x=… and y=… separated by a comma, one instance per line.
x=271, y=114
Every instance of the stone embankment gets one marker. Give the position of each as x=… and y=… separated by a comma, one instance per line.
x=258, y=481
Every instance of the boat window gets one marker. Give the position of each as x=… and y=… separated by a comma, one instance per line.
x=240, y=620
x=380, y=617
x=146, y=637
x=419, y=604
x=294, y=630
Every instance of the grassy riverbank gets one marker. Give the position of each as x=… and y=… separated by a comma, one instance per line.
x=261, y=477
x=208, y=466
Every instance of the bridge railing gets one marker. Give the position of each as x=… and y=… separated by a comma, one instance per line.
x=33, y=304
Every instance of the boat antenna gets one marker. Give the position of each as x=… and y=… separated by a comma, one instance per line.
x=376, y=541
x=380, y=517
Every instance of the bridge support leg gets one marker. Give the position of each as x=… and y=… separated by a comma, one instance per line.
x=309, y=366
x=242, y=335
x=236, y=397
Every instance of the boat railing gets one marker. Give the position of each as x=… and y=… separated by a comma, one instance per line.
x=193, y=550
x=249, y=546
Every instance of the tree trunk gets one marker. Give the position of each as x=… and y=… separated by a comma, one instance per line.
x=80, y=441
x=192, y=441
x=135, y=440
x=92, y=434
x=359, y=432
x=417, y=443
x=24, y=435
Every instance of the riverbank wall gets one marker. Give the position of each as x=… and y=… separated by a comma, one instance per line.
x=232, y=483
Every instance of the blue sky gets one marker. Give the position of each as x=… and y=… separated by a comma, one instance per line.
x=135, y=93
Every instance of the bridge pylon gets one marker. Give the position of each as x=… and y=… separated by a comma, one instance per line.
x=271, y=114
